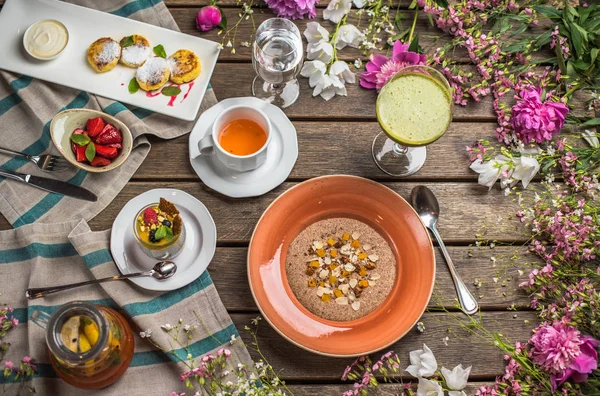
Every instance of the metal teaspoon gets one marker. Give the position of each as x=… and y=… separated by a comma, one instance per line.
x=426, y=205
x=161, y=270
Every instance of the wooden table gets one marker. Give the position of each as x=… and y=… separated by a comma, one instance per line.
x=335, y=138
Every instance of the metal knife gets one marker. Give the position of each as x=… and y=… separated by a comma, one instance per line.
x=51, y=185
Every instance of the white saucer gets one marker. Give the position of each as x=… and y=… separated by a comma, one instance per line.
x=198, y=250
x=281, y=153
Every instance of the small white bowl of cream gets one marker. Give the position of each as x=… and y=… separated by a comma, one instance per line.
x=45, y=40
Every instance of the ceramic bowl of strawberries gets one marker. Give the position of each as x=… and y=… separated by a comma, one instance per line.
x=91, y=140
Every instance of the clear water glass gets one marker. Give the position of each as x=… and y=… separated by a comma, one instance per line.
x=277, y=59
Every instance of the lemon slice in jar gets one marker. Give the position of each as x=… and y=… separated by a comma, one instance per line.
x=70, y=333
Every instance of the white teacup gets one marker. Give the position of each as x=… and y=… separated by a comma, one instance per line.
x=209, y=144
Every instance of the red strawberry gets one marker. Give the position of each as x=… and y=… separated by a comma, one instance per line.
x=150, y=216
x=77, y=131
x=100, y=161
x=80, y=154
x=115, y=145
x=106, y=152
x=95, y=126
x=109, y=135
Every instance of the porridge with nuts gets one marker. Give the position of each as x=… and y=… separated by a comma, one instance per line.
x=340, y=269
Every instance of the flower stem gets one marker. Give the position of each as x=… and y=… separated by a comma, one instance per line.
x=414, y=24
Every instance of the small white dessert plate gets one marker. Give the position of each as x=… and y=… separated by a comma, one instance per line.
x=281, y=153
x=198, y=250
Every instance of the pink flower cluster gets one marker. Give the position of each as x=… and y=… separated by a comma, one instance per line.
x=208, y=364
x=534, y=120
x=561, y=351
x=293, y=9
x=380, y=69
x=362, y=371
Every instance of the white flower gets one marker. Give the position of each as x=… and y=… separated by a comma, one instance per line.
x=322, y=51
x=489, y=171
x=167, y=327
x=457, y=393
x=429, y=388
x=358, y=63
x=336, y=10
x=445, y=340
x=422, y=363
x=186, y=327
x=342, y=71
x=359, y=3
x=189, y=356
x=315, y=32
x=591, y=138
x=420, y=327
x=314, y=71
x=329, y=86
x=457, y=378
x=348, y=35
x=232, y=339
x=146, y=334
x=525, y=169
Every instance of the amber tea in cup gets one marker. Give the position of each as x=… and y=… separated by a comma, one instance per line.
x=242, y=137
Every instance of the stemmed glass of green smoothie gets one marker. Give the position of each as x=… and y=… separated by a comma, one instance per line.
x=414, y=109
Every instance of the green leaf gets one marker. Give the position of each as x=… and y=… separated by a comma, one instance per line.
x=398, y=20
x=584, y=13
x=414, y=45
x=127, y=41
x=592, y=122
x=579, y=38
x=223, y=24
x=159, y=51
x=169, y=233
x=80, y=139
x=442, y=3
x=90, y=151
x=544, y=39
x=171, y=91
x=549, y=12
x=133, y=86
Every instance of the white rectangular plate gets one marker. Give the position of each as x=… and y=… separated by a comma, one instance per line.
x=86, y=26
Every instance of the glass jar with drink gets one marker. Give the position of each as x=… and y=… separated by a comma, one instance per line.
x=414, y=109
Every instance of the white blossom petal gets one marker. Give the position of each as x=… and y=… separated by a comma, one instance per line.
x=322, y=51
x=314, y=71
x=315, y=32
x=488, y=173
x=591, y=138
x=342, y=71
x=457, y=378
x=429, y=388
x=457, y=393
x=336, y=10
x=525, y=169
x=359, y=3
x=348, y=35
x=422, y=363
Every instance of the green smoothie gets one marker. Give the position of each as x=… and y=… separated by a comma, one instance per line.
x=414, y=109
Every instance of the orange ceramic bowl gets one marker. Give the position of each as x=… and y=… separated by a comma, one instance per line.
x=356, y=198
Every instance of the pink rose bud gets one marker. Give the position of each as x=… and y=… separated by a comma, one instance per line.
x=208, y=17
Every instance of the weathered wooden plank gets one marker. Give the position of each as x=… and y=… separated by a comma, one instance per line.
x=333, y=148
x=382, y=389
x=228, y=271
x=233, y=3
x=463, y=209
x=462, y=347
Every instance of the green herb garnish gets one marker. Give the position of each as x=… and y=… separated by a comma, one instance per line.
x=163, y=232
x=90, y=151
x=159, y=50
x=80, y=139
x=133, y=86
x=171, y=91
x=127, y=41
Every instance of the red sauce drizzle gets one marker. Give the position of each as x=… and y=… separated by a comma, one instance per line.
x=152, y=95
x=172, y=101
x=190, y=86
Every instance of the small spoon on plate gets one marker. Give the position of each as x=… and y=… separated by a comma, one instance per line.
x=161, y=271
x=426, y=205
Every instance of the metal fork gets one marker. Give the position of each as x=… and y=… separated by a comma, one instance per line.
x=46, y=162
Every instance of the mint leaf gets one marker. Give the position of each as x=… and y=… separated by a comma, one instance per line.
x=169, y=233
x=90, y=151
x=80, y=139
x=171, y=91
x=160, y=233
x=133, y=86
x=127, y=41
x=223, y=24
x=159, y=50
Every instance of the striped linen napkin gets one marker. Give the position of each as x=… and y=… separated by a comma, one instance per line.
x=27, y=107
x=38, y=255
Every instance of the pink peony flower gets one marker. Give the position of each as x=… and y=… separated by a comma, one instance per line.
x=8, y=364
x=534, y=120
x=380, y=69
x=26, y=359
x=555, y=347
x=582, y=365
x=208, y=17
x=293, y=9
